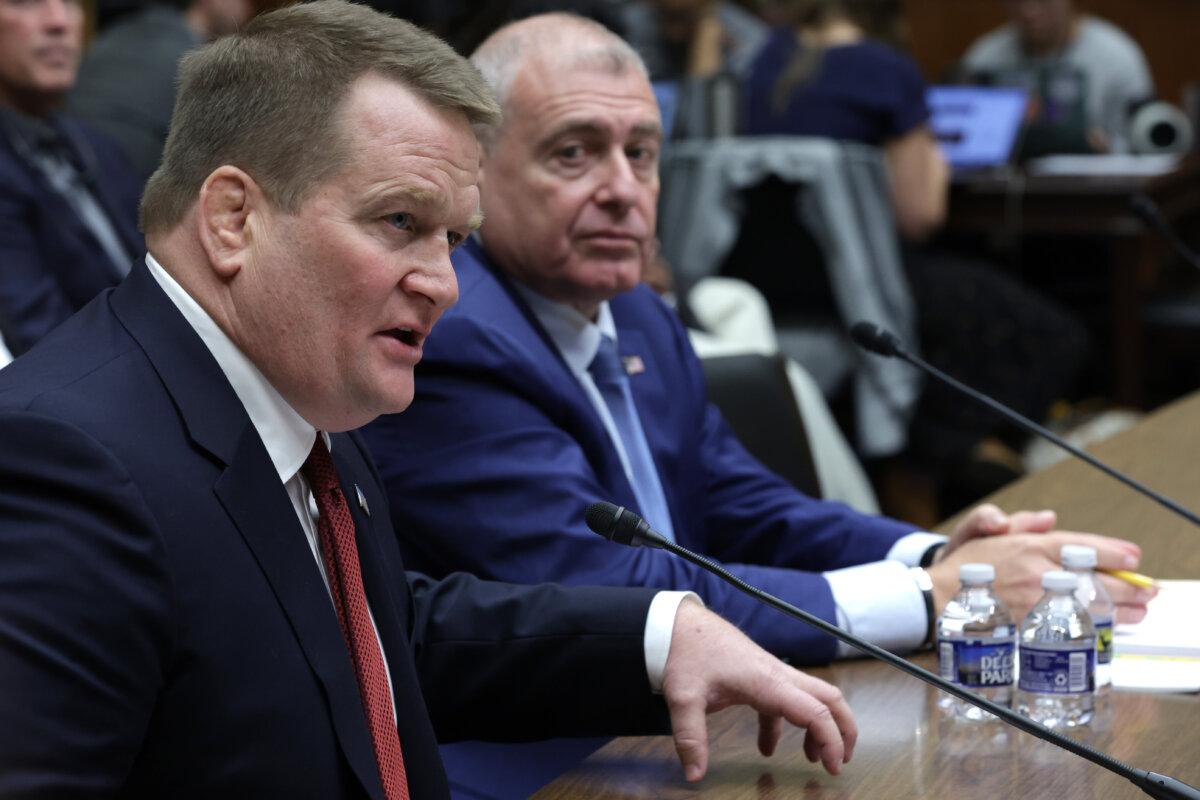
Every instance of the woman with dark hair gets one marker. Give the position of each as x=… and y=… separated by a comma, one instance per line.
x=833, y=70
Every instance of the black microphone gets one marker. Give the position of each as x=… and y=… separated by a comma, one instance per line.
x=1152, y=215
x=619, y=524
x=881, y=342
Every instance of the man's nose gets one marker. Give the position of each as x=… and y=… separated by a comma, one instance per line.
x=433, y=278
x=56, y=14
x=620, y=185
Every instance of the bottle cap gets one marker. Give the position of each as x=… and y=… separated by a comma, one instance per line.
x=1078, y=556
x=975, y=574
x=1057, y=580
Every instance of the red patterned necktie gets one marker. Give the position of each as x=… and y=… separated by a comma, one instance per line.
x=335, y=528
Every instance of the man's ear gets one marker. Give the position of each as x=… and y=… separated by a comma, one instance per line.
x=229, y=203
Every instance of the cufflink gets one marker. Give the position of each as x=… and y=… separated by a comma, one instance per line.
x=362, y=500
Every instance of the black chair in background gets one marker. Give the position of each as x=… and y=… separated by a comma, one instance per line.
x=755, y=396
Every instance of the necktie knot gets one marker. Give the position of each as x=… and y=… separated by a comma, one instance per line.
x=606, y=366
x=318, y=469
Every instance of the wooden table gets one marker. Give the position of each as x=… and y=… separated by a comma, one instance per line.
x=907, y=748
x=1015, y=205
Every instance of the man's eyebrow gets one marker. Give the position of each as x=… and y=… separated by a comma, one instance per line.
x=577, y=127
x=644, y=129
x=592, y=128
x=411, y=194
x=476, y=221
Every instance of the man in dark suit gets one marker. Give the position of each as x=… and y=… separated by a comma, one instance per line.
x=68, y=199
x=200, y=591
x=520, y=420
x=126, y=86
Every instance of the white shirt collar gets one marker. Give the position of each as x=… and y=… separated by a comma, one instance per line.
x=287, y=436
x=576, y=337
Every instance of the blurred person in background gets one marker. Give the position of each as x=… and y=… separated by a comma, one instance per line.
x=692, y=38
x=832, y=71
x=126, y=86
x=68, y=199
x=1077, y=65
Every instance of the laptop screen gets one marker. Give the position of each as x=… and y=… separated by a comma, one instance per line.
x=976, y=126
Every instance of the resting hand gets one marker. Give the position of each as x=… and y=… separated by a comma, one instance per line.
x=989, y=520
x=1020, y=558
x=712, y=665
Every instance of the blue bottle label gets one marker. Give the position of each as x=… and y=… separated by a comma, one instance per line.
x=1104, y=642
x=977, y=663
x=1067, y=669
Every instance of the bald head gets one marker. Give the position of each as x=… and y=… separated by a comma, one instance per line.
x=564, y=41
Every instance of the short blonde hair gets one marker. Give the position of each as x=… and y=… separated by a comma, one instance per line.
x=264, y=100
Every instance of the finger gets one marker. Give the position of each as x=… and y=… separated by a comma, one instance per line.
x=1032, y=521
x=812, y=748
x=1124, y=593
x=1111, y=553
x=805, y=711
x=782, y=695
x=769, y=730
x=690, y=730
x=835, y=701
x=1131, y=615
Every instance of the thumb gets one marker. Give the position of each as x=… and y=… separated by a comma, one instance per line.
x=689, y=728
x=987, y=519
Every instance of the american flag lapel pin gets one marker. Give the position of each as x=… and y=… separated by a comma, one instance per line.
x=634, y=365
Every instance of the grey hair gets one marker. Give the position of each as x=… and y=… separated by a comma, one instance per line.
x=554, y=36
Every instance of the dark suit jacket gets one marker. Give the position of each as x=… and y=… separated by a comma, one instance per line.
x=164, y=630
x=511, y=452
x=50, y=263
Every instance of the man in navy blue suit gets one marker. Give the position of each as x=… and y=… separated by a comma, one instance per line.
x=68, y=199
x=200, y=590
x=518, y=424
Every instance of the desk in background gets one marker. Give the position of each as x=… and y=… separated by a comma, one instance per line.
x=1015, y=205
x=905, y=749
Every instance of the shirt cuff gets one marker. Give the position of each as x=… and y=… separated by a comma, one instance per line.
x=660, y=624
x=909, y=549
x=879, y=602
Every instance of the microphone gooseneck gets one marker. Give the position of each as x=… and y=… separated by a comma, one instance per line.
x=1152, y=215
x=605, y=519
x=884, y=343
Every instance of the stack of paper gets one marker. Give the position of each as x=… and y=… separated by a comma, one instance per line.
x=1162, y=652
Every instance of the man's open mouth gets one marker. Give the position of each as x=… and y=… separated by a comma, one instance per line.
x=406, y=335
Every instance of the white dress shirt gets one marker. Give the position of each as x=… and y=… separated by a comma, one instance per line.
x=879, y=602
x=288, y=439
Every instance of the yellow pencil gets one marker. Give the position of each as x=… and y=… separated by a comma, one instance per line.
x=1133, y=578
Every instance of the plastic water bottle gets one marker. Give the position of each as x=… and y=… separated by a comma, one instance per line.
x=976, y=643
x=1057, y=650
x=1092, y=595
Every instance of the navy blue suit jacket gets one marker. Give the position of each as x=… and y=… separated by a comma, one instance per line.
x=164, y=629
x=50, y=263
x=492, y=467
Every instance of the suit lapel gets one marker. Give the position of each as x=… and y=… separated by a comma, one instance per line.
x=576, y=411
x=250, y=491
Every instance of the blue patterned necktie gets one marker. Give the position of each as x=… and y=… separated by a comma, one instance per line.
x=609, y=374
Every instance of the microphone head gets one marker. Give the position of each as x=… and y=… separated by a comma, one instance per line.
x=602, y=518
x=616, y=523
x=874, y=339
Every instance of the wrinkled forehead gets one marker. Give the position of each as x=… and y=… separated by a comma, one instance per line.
x=546, y=89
